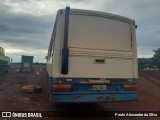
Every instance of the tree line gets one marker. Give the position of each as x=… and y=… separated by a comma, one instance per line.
x=150, y=62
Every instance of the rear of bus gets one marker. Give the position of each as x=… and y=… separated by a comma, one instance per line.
x=94, y=57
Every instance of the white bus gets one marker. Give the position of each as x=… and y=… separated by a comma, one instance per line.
x=92, y=57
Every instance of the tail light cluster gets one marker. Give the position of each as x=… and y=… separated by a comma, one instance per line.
x=62, y=87
x=130, y=87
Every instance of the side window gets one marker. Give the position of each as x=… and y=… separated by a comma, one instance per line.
x=51, y=45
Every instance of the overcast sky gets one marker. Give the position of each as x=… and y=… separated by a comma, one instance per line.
x=26, y=25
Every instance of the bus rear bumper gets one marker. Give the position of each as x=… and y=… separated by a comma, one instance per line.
x=71, y=98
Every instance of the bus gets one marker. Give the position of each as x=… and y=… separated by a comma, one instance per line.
x=92, y=57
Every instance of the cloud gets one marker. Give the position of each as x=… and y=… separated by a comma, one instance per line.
x=145, y=13
x=25, y=32
x=26, y=25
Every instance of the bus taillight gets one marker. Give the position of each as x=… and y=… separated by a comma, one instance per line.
x=130, y=87
x=61, y=87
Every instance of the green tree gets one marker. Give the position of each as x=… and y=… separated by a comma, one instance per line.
x=156, y=57
x=144, y=63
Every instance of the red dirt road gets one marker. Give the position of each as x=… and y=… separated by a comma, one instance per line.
x=13, y=99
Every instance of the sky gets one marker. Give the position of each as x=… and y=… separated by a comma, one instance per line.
x=26, y=25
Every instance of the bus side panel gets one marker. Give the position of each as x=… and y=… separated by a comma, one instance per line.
x=49, y=66
x=57, y=47
x=135, y=61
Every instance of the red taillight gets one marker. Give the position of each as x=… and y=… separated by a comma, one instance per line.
x=61, y=87
x=130, y=87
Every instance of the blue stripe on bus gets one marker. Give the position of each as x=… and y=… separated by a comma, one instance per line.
x=94, y=97
x=84, y=93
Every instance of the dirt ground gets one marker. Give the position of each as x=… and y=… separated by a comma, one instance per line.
x=13, y=99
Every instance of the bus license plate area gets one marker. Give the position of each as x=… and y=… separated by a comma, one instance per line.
x=99, y=87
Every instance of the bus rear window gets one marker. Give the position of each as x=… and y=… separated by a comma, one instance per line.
x=102, y=33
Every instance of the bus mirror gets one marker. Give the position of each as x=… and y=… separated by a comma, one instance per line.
x=46, y=57
x=136, y=26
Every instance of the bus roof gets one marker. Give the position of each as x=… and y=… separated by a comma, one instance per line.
x=99, y=14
